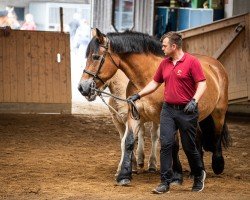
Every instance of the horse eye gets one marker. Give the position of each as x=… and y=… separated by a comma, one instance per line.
x=96, y=57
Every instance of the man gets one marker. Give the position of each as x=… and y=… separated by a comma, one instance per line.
x=184, y=85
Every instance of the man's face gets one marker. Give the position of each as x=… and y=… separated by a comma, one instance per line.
x=167, y=48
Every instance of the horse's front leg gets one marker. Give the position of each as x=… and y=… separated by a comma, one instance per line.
x=128, y=141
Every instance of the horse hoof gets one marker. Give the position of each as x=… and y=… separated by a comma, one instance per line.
x=152, y=170
x=141, y=165
x=218, y=164
x=176, y=182
x=124, y=182
x=177, y=179
x=191, y=176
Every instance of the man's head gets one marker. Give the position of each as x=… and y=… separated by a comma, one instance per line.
x=171, y=42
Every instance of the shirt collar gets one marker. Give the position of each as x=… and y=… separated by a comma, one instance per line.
x=169, y=59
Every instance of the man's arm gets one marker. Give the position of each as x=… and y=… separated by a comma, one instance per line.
x=149, y=88
x=201, y=87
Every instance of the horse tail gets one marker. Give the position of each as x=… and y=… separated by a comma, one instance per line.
x=208, y=130
x=226, y=137
x=208, y=134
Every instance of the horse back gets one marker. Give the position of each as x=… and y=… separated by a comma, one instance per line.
x=216, y=94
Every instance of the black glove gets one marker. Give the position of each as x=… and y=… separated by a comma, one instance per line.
x=190, y=107
x=134, y=97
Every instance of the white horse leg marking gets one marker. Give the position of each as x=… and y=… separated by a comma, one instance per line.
x=122, y=149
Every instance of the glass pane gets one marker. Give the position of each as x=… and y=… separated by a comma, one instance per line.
x=123, y=14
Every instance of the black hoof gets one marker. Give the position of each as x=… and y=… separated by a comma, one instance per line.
x=177, y=179
x=152, y=170
x=141, y=165
x=124, y=182
x=218, y=164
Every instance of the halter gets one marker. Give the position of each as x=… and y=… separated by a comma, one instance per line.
x=95, y=74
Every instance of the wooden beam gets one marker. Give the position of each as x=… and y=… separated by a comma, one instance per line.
x=247, y=18
x=35, y=108
x=226, y=44
x=61, y=19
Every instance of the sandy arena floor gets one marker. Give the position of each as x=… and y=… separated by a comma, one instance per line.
x=75, y=157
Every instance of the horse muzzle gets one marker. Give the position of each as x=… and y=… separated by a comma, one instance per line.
x=86, y=89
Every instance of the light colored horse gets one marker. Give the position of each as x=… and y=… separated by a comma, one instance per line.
x=138, y=56
x=119, y=112
x=9, y=19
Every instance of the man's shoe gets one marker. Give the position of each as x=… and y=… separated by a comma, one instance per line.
x=199, y=182
x=162, y=188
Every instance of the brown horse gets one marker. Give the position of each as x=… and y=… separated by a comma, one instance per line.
x=119, y=110
x=138, y=55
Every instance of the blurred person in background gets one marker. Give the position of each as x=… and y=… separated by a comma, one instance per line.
x=29, y=23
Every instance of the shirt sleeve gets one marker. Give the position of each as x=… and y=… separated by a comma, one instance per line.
x=197, y=72
x=158, y=77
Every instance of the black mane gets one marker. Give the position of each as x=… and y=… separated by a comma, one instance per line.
x=129, y=42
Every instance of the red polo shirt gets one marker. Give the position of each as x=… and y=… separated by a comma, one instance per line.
x=180, y=80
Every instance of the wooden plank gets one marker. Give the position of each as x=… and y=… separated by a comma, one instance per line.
x=27, y=67
x=226, y=44
x=68, y=68
x=20, y=66
x=213, y=26
x=237, y=95
x=63, y=69
x=56, y=72
x=1, y=66
x=48, y=67
x=6, y=70
x=237, y=87
x=41, y=67
x=12, y=47
x=34, y=66
x=247, y=19
x=33, y=108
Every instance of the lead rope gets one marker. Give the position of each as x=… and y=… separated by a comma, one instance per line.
x=134, y=111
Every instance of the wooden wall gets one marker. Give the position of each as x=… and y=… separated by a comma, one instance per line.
x=222, y=37
x=31, y=78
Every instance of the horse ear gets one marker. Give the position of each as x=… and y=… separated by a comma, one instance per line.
x=97, y=33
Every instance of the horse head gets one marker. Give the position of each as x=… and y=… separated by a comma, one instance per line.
x=101, y=65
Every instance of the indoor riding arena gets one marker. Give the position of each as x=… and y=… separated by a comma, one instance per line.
x=53, y=148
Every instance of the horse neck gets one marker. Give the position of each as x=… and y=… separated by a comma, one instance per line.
x=3, y=21
x=140, y=68
x=118, y=84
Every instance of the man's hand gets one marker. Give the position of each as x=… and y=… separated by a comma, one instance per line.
x=190, y=107
x=134, y=97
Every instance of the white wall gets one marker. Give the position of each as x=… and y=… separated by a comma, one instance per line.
x=236, y=7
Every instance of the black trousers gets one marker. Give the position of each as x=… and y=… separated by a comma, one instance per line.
x=173, y=119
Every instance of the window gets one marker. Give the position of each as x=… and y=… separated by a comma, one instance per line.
x=123, y=15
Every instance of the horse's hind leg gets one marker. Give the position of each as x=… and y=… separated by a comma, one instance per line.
x=155, y=133
x=177, y=168
x=140, y=146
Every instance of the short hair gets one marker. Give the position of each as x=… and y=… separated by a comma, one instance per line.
x=174, y=38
